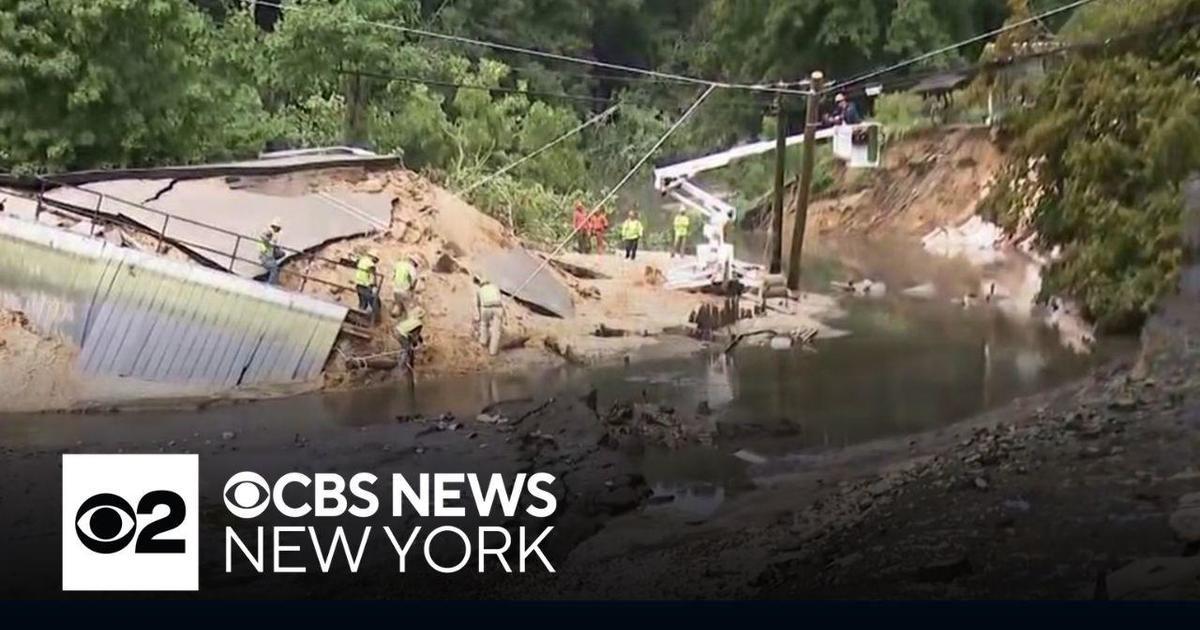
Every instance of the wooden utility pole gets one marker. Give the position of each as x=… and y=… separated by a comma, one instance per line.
x=811, y=121
x=781, y=131
x=355, y=127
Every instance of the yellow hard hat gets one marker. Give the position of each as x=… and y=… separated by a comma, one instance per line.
x=416, y=312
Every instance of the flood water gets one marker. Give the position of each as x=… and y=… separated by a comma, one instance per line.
x=906, y=366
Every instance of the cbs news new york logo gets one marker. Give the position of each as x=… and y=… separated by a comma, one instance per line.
x=130, y=523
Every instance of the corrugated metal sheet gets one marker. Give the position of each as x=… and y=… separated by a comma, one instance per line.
x=137, y=315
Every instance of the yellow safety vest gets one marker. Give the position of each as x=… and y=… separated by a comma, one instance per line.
x=631, y=229
x=266, y=242
x=682, y=222
x=489, y=295
x=365, y=276
x=403, y=278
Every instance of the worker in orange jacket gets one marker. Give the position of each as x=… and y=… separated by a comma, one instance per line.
x=597, y=227
x=580, y=223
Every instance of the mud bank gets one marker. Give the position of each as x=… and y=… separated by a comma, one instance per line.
x=1071, y=494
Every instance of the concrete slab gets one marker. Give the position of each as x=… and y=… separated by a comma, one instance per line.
x=509, y=269
x=207, y=215
x=17, y=206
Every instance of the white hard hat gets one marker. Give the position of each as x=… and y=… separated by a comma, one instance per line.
x=839, y=98
x=276, y=222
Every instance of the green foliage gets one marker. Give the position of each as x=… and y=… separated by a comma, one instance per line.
x=790, y=38
x=117, y=82
x=901, y=114
x=1111, y=139
x=160, y=81
x=915, y=29
x=529, y=208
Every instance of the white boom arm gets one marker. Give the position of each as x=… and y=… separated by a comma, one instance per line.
x=715, y=262
x=691, y=168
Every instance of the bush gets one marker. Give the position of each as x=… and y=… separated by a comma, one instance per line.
x=901, y=114
x=1098, y=164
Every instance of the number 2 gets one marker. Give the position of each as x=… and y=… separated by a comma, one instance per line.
x=146, y=540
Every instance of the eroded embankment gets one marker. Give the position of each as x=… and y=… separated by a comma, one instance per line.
x=621, y=308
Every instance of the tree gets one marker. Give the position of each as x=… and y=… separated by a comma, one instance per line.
x=914, y=30
x=115, y=83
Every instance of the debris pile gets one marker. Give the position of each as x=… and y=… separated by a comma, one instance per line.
x=976, y=240
x=646, y=424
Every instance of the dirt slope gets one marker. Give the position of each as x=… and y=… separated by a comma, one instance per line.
x=932, y=179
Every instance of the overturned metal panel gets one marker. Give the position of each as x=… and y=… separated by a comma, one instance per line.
x=140, y=316
x=512, y=269
x=208, y=215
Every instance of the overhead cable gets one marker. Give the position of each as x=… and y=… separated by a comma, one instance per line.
x=548, y=55
x=579, y=128
x=613, y=192
x=952, y=47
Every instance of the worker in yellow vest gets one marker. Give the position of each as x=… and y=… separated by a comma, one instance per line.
x=404, y=285
x=408, y=333
x=682, y=224
x=631, y=233
x=364, y=280
x=269, y=253
x=489, y=312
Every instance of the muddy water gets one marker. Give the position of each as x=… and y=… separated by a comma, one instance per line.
x=908, y=365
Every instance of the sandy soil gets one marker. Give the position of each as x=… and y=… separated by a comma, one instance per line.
x=35, y=372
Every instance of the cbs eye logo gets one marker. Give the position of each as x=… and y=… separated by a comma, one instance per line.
x=107, y=524
x=247, y=495
x=130, y=523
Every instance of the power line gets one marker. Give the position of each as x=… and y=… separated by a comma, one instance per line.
x=468, y=86
x=739, y=104
x=908, y=81
x=952, y=47
x=549, y=55
x=613, y=192
x=591, y=121
x=534, y=70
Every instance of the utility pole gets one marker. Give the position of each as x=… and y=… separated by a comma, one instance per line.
x=781, y=131
x=811, y=120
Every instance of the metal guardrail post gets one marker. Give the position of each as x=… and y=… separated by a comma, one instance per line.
x=37, y=209
x=96, y=215
x=163, y=234
x=233, y=257
x=304, y=276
